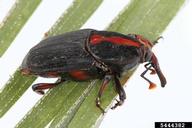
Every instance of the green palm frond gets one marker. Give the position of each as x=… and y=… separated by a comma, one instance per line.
x=19, y=14
x=73, y=103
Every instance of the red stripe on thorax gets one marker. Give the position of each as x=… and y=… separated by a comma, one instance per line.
x=96, y=39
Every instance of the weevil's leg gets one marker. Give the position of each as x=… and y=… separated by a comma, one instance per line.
x=152, y=85
x=152, y=70
x=38, y=88
x=120, y=91
x=105, y=82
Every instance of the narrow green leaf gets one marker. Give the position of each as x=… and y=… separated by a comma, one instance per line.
x=13, y=90
x=44, y=112
x=67, y=111
x=147, y=17
x=75, y=16
x=20, y=13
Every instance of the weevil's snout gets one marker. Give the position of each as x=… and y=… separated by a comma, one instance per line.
x=156, y=66
x=162, y=78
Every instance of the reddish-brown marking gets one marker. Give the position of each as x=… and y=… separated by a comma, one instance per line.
x=25, y=71
x=42, y=86
x=52, y=74
x=96, y=39
x=79, y=75
x=46, y=34
x=144, y=41
x=152, y=86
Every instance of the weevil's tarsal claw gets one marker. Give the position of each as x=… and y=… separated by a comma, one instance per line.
x=104, y=84
x=153, y=72
x=119, y=103
x=98, y=104
x=120, y=91
x=152, y=86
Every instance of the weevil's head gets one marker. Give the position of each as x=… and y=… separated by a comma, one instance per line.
x=148, y=56
x=145, y=47
x=24, y=68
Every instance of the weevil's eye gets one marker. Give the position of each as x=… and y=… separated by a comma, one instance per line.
x=148, y=55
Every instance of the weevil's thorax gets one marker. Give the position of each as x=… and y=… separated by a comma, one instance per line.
x=121, y=52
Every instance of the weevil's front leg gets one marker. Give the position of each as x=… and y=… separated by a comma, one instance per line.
x=152, y=85
x=105, y=82
x=38, y=88
x=152, y=70
x=120, y=91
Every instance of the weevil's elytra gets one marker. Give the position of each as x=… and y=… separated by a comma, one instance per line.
x=90, y=54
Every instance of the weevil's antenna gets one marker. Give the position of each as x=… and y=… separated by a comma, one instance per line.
x=156, y=41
